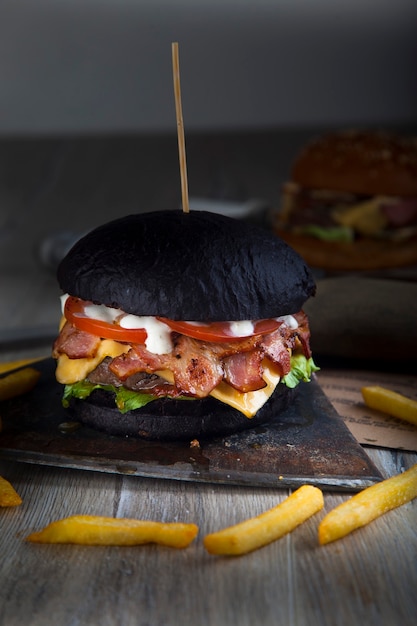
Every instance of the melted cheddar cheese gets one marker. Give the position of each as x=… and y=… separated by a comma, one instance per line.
x=70, y=371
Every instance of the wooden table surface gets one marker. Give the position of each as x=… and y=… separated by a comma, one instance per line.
x=367, y=578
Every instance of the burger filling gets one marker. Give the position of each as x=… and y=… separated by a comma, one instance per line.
x=339, y=216
x=140, y=359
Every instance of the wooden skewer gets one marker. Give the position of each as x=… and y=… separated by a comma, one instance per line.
x=180, y=128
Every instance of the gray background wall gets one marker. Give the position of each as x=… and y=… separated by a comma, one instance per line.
x=82, y=66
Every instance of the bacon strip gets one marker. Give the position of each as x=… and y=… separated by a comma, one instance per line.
x=196, y=369
x=276, y=349
x=140, y=381
x=303, y=333
x=243, y=370
x=76, y=344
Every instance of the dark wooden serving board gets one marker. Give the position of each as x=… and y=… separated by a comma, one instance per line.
x=309, y=443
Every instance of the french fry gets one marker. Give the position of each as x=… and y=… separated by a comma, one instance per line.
x=390, y=402
x=14, y=365
x=8, y=494
x=17, y=383
x=269, y=526
x=94, y=530
x=367, y=505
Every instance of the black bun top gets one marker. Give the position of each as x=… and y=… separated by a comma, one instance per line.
x=187, y=266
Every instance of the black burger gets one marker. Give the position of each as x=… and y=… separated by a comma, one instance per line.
x=181, y=325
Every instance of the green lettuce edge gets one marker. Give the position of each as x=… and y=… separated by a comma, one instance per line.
x=301, y=371
x=125, y=399
x=128, y=400
x=331, y=233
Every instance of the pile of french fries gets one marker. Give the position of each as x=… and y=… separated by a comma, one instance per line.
x=246, y=536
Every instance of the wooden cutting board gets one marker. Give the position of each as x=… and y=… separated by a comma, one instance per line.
x=309, y=443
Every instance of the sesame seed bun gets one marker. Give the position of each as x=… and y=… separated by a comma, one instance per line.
x=354, y=166
x=360, y=162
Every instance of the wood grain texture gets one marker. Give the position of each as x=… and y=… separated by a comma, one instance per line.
x=369, y=577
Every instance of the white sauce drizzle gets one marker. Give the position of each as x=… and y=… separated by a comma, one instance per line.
x=243, y=328
x=158, y=340
x=102, y=313
x=289, y=320
x=63, y=299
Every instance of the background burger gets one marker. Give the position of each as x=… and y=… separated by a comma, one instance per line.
x=351, y=201
x=179, y=325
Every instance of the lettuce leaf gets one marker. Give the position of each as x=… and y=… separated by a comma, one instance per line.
x=301, y=370
x=125, y=399
x=335, y=233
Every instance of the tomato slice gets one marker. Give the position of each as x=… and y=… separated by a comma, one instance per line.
x=75, y=314
x=214, y=332
x=219, y=331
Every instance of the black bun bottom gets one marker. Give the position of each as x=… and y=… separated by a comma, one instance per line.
x=166, y=419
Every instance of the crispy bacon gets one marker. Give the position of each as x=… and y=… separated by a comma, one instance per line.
x=196, y=368
x=276, y=349
x=138, y=359
x=199, y=366
x=303, y=333
x=140, y=381
x=76, y=344
x=401, y=212
x=243, y=370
